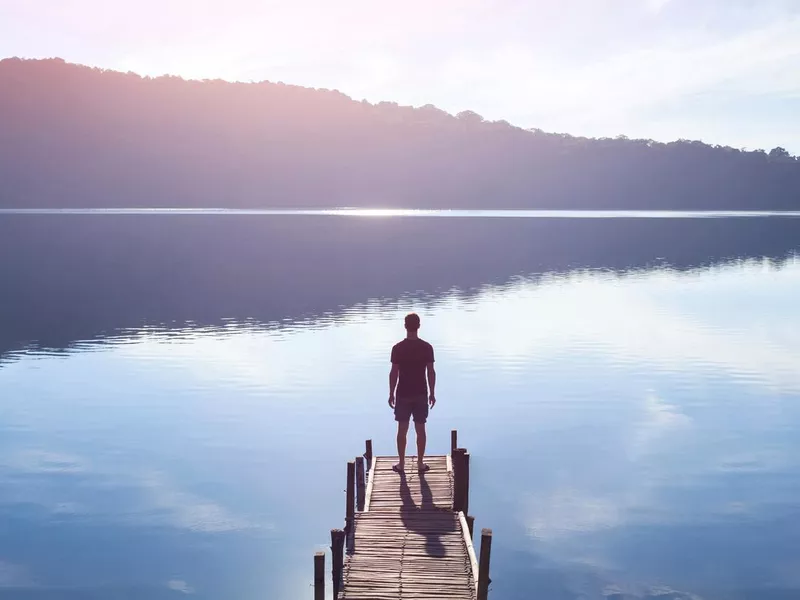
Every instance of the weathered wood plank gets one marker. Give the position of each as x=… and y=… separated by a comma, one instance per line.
x=470, y=549
x=408, y=544
x=370, y=480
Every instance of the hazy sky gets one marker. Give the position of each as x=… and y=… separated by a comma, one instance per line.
x=724, y=71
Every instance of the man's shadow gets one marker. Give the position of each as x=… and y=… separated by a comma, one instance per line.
x=426, y=519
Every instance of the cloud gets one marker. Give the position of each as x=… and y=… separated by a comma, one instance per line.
x=579, y=66
x=656, y=5
x=662, y=422
x=525, y=86
x=165, y=504
x=44, y=462
x=609, y=486
x=643, y=592
x=638, y=319
x=178, y=585
x=14, y=576
x=58, y=483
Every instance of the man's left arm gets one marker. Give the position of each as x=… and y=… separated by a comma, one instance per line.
x=431, y=373
x=394, y=374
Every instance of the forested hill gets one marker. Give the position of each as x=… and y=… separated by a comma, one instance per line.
x=74, y=136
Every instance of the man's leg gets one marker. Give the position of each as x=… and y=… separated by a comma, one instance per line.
x=420, y=412
x=402, y=433
x=422, y=438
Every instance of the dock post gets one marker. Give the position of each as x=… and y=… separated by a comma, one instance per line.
x=458, y=480
x=368, y=453
x=470, y=524
x=350, y=501
x=337, y=559
x=465, y=477
x=360, y=485
x=319, y=576
x=453, y=441
x=483, y=566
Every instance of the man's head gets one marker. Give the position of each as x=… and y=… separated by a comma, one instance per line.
x=412, y=322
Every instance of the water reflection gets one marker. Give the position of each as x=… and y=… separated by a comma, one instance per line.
x=79, y=278
x=180, y=420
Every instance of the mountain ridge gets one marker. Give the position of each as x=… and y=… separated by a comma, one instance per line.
x=78, y=136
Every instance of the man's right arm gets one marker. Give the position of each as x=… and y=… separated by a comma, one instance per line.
x=393, y=377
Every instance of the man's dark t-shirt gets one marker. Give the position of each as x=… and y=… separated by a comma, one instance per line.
x=412, y=356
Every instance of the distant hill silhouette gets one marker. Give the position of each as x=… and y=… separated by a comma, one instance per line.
x=74, y=136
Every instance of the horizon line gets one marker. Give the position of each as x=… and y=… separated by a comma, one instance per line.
x=409, y=212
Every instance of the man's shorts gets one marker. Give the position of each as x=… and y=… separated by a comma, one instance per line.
x=414, y=405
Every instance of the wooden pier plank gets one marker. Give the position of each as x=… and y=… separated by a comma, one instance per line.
x=408, y=544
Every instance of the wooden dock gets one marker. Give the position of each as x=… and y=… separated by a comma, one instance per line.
x=407, y=536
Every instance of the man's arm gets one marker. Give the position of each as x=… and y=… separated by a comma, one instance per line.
x=393, y=376
x=431, y=372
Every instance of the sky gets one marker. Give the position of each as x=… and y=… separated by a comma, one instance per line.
x=722, y=71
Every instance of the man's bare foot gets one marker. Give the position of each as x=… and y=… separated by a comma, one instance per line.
x=398, y=468
x=422, y=468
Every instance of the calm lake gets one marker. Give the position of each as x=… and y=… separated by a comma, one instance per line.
x=179, y=394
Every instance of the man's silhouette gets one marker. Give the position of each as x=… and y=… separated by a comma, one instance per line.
x=412, y=364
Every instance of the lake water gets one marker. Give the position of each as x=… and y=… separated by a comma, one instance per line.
x=179, y=396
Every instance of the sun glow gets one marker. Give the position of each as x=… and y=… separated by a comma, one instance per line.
x=383, y=212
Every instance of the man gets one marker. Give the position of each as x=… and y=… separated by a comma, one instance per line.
x=412, y=364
